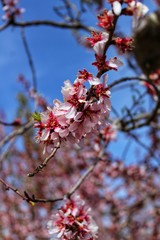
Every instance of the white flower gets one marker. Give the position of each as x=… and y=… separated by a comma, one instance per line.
x=117, y=8
x=94, y=81
x=99, y=46
x=114, y=63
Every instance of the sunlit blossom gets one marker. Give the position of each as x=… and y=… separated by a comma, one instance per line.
x=73, y=221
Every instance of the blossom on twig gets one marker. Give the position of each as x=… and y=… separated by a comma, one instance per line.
x=73, y=221
x=82, y=111
x=11, y=9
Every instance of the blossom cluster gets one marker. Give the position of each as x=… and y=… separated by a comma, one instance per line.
x=81, y=113
x=98, y=42
x=109, y=133
x=73, y=221
x=84, y=110
x=11, y=10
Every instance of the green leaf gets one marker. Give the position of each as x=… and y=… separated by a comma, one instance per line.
x=36, y=116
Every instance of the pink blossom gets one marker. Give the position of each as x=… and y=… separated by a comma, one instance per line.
x=73, y=221
x=81, y=112
x=84, y=76
x=114, y=63
x=86, y=120
x=11, y=9
x=100, y=46
x=96, y=37
x=73, y=93
x=111, y=64
x=106, y=20
x=124, y=44
x=98, y=42
x=109, y=133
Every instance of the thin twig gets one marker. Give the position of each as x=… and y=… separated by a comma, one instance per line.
x=7, y=151
x=85, y=175
x=36, y=200
x=8, y=187
x=11, y=124
x=80, y=181
x=5, y=25
x=32, y=199
x=33, y=23
x=147, y=148
x=15, y=133
x=30, y=59
x=43, y=164
x=126, y=150
x=135, y=122
x=108, y=44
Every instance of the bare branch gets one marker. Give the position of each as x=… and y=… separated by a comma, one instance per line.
x=33, y=23
x=147, y=148
x=43, y=164
x=5, y=25
x=85, y=175
x=137, y=121
x=8, y=187
x=30, y=59
x=15, y=133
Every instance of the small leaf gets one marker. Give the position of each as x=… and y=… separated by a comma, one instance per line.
x=36, y=116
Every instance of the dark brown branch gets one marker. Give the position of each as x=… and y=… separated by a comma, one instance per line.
x=33, y=23
x=74, y=25
x=36, y=200
x=11, y=124
x=137, y=122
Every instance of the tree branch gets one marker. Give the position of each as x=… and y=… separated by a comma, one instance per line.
x=137, y=121
x=15, y=133
x=43, y=164
x=29, y=56
x=74, y=25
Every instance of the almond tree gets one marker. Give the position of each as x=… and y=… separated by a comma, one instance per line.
x=86, y=167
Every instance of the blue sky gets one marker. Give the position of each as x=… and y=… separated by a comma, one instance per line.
x=56, y=55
